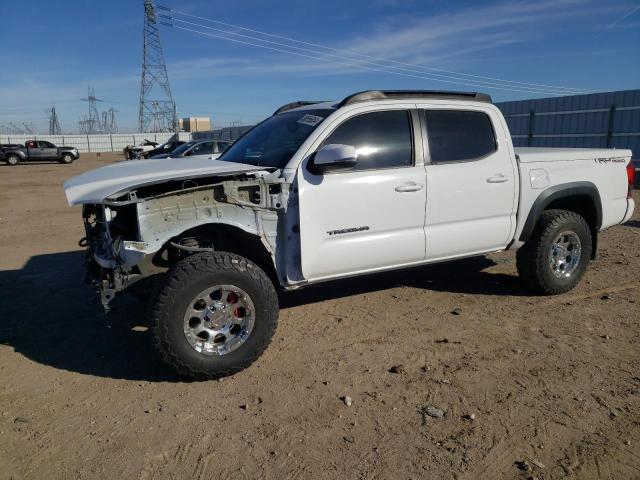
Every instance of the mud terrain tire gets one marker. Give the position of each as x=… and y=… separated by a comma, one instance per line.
x=556, y=230
x=184, y=283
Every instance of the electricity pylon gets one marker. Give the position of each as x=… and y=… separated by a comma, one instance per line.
x=157, y=108
x=54, y=123
x=109, y=124
x=91, y=124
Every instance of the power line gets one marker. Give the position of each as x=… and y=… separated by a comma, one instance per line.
x=619, y=19
x=383, y=70
x=453, y=75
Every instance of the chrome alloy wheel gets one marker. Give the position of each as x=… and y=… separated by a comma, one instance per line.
x=219, y=320
x=565, y=254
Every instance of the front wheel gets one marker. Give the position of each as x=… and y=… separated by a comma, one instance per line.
x=214, y=315
x=556, y=256
x=66, y=158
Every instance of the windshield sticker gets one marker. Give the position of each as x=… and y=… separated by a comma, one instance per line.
x=311, y=120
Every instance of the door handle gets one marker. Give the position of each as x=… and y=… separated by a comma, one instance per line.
x=498, y=178
x=409, y=187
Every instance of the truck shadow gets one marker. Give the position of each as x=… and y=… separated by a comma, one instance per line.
x=48, y=313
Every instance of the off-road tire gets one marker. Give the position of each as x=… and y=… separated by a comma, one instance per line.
x=66, y=158
x=13, y=160
x=532, y=259
x=185, y=280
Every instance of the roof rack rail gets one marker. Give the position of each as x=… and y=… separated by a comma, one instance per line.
x=300, y=103
x=400, y=94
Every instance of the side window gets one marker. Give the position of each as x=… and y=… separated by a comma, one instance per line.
x=382, y=139
x=45, y=144
x=202, y=149
x=456, y=135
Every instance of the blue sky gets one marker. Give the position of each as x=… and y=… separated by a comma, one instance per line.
x=51, y=51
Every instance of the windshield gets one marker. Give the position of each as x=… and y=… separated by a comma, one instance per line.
x=183, y=148
x=273, y=142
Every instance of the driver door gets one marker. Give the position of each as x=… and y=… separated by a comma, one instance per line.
x=371, y=217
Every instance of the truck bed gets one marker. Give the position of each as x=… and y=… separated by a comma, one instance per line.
x=539, y=154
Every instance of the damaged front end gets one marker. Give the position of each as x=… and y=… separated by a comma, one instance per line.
x=140, y=232
x=106, y=269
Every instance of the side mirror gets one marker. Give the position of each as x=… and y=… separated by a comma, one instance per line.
x=334, y=157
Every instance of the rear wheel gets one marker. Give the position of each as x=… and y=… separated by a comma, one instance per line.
x=13, y=160
x=66, y=158
x=214, y=315
x=556, y=256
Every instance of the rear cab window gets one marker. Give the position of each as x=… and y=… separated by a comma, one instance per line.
x=459, y=135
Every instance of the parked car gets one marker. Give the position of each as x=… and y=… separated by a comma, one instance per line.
x=320, y=191
x=133, y=152
x=168, y=147
x=206, y=148
x=39, y=150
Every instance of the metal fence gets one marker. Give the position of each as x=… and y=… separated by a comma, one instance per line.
x=96, y=143
x=598, y=120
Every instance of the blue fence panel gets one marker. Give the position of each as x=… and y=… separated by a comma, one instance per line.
x=598, y=120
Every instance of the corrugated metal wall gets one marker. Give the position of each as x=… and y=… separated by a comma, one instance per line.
x=96, y=143
x=598, y=120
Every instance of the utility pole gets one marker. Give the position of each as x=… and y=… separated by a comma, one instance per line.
x=157, y=108
x=54, y=123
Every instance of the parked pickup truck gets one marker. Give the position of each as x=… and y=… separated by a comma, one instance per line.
x=38, y=151
x=319, y=191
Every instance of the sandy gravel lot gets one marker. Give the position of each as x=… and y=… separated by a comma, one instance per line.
x=530, y=387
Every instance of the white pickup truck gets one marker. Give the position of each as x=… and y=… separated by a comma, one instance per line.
x=325, y=190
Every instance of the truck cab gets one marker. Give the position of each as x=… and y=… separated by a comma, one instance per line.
x=41, y=150
x=401, y=191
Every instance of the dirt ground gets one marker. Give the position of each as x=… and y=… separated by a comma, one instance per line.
x=530, y=387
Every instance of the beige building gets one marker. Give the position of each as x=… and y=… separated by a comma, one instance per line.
x=195, y=124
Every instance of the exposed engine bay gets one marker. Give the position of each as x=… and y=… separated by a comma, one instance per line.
x=141, y=232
